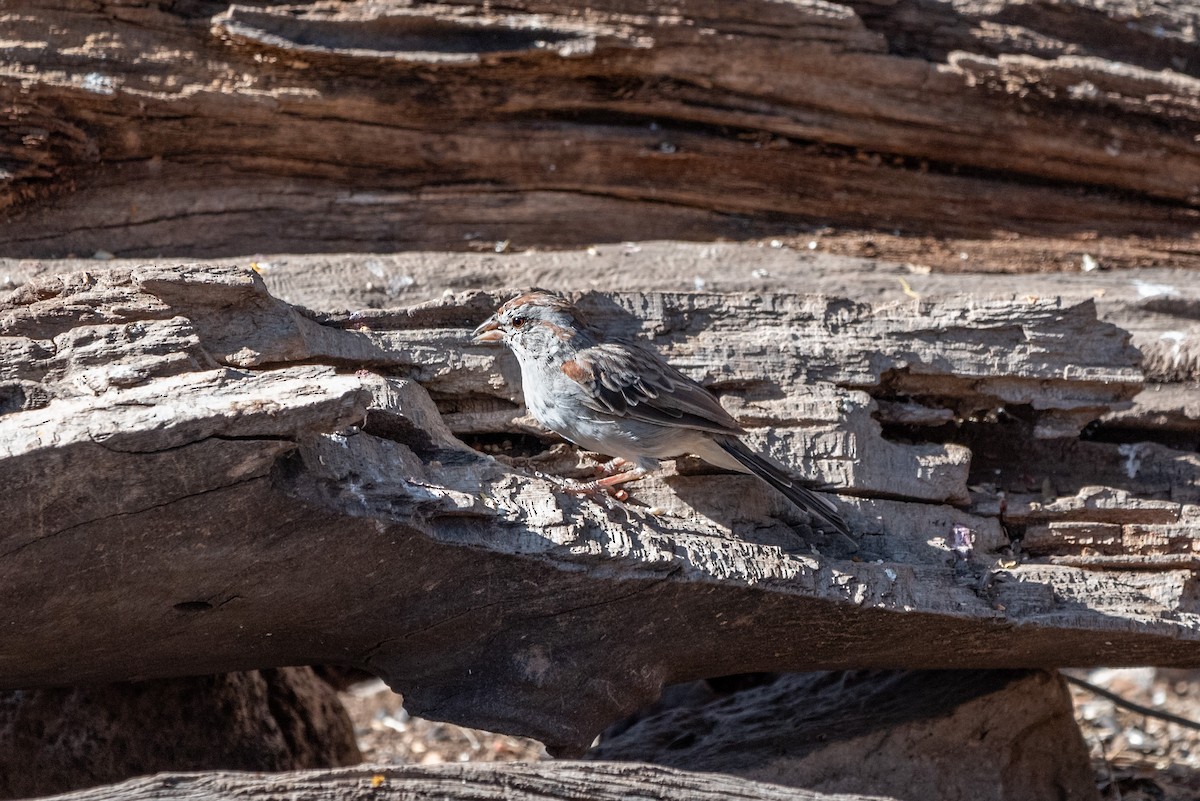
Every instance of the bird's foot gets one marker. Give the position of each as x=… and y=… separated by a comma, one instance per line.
x=612, y=467
x=609, y=486
x=595, y=491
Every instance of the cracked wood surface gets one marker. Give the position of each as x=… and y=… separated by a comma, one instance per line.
x=209, y=128
x=217, y=480
x=985, y=735
x=545, y=781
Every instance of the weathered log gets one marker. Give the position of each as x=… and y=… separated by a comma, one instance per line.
x=232, y=482
x=988, y=735
x=226, y=128
x=59, y=739
x=470, y=782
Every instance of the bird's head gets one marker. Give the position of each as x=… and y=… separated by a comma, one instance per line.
x=537, y=323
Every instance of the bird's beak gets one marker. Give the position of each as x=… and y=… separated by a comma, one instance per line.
x=489, y=331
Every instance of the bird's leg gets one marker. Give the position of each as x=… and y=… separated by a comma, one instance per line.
x=621, y=478
x=609, y=484
x=612, y=467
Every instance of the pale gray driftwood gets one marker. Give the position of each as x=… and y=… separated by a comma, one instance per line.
x=224, y=481
x=1148, y=448
x=544, y=781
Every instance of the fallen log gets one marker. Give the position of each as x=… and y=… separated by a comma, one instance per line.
x=1014, y=130
x=510, y=782
x=989, y=735
x=232, y=482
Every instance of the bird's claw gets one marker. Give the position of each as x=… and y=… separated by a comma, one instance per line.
x=596, y=490
x=612, y=467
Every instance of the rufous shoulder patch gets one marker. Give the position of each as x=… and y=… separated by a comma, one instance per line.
x=577, y=371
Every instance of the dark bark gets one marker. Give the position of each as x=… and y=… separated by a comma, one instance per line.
x=59, y=739
x=204, y=128
x=987, y=735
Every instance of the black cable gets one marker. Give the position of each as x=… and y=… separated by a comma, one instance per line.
x=1131, y=706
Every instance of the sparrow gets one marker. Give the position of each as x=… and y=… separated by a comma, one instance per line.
x=623, y=400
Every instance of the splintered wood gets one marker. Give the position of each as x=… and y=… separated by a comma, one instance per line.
x=1021, y=135
x=363, y=487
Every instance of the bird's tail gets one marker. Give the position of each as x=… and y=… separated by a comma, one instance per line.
x=817, y=505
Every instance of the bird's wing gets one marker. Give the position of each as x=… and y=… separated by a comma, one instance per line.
x=625, y=380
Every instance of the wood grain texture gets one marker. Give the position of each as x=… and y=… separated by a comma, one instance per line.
x=209, y=128
x=988, y=735
x=473, y=782
x=58, y=739
x=176, y=435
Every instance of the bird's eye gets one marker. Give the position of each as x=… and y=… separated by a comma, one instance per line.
x=519, y=321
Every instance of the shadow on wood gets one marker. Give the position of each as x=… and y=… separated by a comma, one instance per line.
x=987, y=735
x=236, y=483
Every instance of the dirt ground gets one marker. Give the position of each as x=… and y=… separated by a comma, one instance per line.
x=387, y=734
x=1136, y=757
